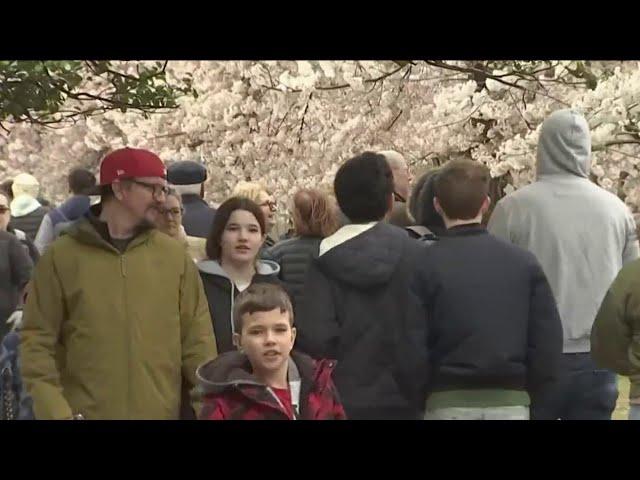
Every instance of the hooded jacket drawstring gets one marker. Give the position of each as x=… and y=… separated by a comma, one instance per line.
x=221, y=291
x=233, y=328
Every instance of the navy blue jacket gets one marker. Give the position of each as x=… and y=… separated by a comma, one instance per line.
x=491, y=320
x=198, y=216
x=354, y=296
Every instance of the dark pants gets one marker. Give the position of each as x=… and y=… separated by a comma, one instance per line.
x=583, y=391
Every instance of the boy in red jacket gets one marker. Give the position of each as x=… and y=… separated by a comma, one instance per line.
x=264, y=379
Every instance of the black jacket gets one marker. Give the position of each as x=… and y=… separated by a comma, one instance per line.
x=26, y=243
x=221, y=293
x=15, y=272
x=355, y=294
x=491, y=318
x=294, y=256
x=29, y=223
x=198, y=216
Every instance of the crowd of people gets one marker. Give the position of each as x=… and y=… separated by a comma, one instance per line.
x=389, y=298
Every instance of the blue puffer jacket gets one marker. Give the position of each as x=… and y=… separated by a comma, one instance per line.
x=15, y=404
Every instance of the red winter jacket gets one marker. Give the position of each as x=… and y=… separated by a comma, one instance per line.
x=231, y=392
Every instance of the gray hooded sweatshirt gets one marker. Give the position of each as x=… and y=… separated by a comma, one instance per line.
x=581, y=234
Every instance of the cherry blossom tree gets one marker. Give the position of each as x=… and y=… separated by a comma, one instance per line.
x=290, y=124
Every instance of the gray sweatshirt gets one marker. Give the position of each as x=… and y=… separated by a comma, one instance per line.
x=581, y=234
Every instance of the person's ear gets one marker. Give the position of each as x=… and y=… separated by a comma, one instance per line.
x=437, y=206
x=294, y=332
x=485, y=205
x=390, y=203
x=118, y=189
x=237, y=341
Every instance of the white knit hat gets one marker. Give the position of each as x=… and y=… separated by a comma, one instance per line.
x=25, y=184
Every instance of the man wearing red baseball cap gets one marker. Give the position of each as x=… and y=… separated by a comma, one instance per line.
x=116, y=321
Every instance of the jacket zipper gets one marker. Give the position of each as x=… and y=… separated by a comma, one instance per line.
x=284, y=410
x=233, y=328
x=128, y=328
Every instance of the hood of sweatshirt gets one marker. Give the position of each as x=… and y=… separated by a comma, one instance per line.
x=564, y=146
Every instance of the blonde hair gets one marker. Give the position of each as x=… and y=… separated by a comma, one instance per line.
x=251, y=190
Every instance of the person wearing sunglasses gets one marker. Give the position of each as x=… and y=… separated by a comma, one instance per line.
x=116, y=320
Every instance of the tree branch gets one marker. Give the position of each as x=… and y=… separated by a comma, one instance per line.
x=337, y=87
x=515, y=104
x=303, y=116
x=622, y=153
x=471, y=70
x=605, y=145
x=458, y=121
x=394, y=121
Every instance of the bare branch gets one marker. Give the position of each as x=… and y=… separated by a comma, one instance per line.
x=458, y=121
x=470, y=70
x=605, y=145
x=303, y=116
x=268, y=73
x=394, y=121
x=515, y=104
x=621, y=153
x=337, y=87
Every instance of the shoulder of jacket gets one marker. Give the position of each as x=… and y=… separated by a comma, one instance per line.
x=172, y=246
x=156, y=236
x=617, y=201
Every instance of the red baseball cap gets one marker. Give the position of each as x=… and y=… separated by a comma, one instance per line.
x=130, y=163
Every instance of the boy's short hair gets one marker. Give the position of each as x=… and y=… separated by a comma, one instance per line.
x=363, y=185
x=461, y=187
x=261, y=297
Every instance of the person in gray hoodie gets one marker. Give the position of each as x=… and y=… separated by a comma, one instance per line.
x=582, y=235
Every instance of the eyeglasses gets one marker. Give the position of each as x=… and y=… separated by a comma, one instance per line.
x=4, y=209
x=171, y=211
x=156, y=189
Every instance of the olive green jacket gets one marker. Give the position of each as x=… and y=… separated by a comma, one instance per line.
x=112, y=335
